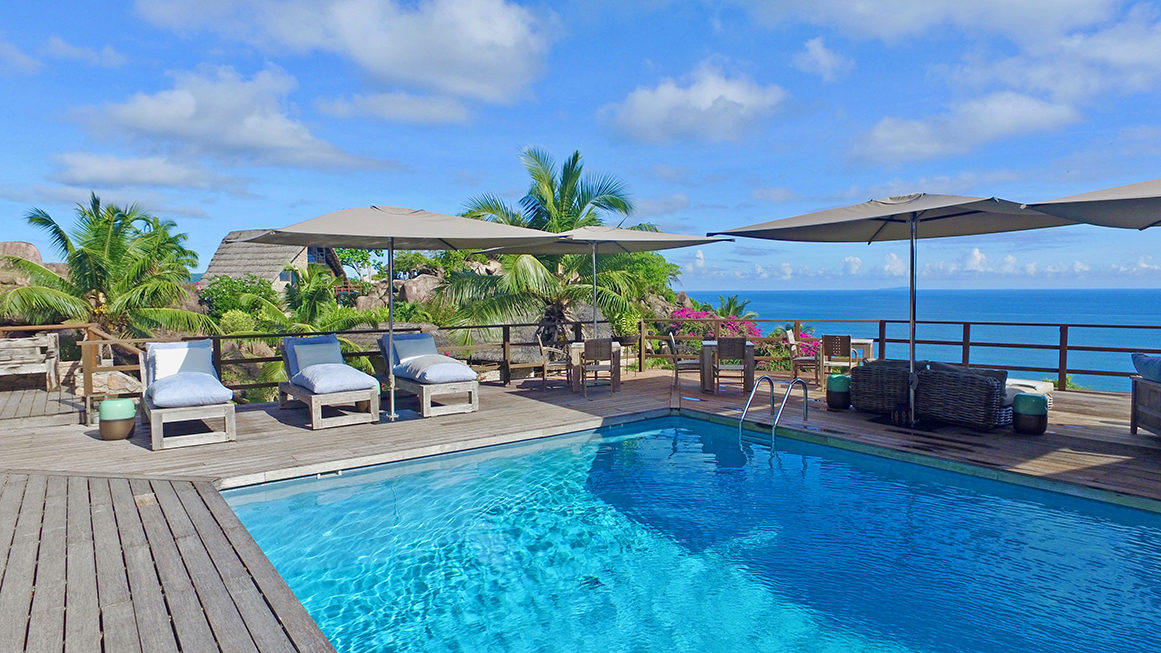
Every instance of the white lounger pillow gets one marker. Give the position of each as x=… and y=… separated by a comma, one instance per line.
x=327, y=378
x=186, y=389
x=434, y=368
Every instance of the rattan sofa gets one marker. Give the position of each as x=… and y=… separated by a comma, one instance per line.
x=881, y=386
x=968, y=399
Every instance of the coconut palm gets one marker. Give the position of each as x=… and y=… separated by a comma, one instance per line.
x=732, y=307
x=126, y=270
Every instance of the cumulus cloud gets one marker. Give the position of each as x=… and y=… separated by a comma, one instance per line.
x=699, y=259
x=974, y=261
x=218, y=112
x=106, y=57
x=13, y=61
x=488, y=50
x=774, y=195
x=662, y=205
x=399, y=107
x=710, y=106
x=893, y=266
x=968, y=125
x=852, y=264
x=102, y=170
x=817, y=59
x=785, y=271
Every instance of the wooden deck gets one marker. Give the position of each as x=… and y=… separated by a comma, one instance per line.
x=137, y=565
x=38, y=407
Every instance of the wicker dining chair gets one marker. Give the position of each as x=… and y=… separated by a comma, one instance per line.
x=681, y=364
x=729, y=349
x=835, y=354
x=800, y=362
x=596, y=352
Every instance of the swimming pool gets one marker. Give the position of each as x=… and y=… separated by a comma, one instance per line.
x=667, y=535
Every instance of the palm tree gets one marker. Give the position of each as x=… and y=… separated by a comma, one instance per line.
x=732, y=307
x=545, y=288
x=126, y=271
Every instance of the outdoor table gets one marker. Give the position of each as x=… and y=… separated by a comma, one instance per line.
x=866, y=348
x=576, y=352
x=708, y=349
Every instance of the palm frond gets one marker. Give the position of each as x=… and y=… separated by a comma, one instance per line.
x=56, y=235
x=38, y=274
x=41, y=304
x=492, y=208
x=172, y=319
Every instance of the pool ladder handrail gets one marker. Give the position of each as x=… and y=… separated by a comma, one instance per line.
x=778, y=416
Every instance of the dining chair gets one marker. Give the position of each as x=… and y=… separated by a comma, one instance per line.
x=681, y=364
x=729, y=349
x=835, y=353
x=597, y=352
x=800, y=362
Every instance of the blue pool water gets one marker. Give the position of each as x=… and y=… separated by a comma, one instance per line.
x=668, y=536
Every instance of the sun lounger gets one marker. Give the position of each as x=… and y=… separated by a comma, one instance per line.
x=180, y=384
x=421, y=370
x=319, y=377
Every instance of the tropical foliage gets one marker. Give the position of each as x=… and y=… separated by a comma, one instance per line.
x=733, y=307
x=310, y=305
x=548, y=288
x=126, y=271
x=224, y=294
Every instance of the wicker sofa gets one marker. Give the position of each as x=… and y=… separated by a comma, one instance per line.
x=880, y=386
x=969, y=397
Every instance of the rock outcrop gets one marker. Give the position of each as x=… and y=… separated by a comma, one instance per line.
x=417, y=289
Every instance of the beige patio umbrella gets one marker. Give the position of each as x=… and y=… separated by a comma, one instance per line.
x=1134, y=206
x=396, y=227
x=606, y=240
x=904, y=217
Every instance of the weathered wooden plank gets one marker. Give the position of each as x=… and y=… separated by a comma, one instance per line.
x=82, y=614
x=228, y=626
x=11, y=496
x=303, y=631
x=16, y=588
x=153, y=621
x=263, y=625
x=46, y=621
x=117, y=618
x=11, y=403
x=189, y=617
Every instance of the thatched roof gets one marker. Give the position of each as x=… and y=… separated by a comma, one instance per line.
x=236, y=258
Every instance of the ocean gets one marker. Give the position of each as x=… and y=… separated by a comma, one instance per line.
x=1082, y=306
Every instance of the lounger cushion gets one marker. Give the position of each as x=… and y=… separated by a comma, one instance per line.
x=318, y=353
x=326, y=378
x=289, y=343
x=164, y=359
x=999, y=375
x=434, y=369
x=1149, y=367
x=189, y=389
x=410, y=345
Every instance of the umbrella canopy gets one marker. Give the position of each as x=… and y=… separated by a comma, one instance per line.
x=904, y=217
x=940, y=216
x=1135, y=206
x=396, y=227
x=385, y=227
x=607, y=240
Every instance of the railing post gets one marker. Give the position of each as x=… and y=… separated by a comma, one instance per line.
x=1062, y=378
x=798, y=329
x=967, y=343
x=883, y=339
x=578, y=334
x=506, y=366
x=641, y=346
x=717, y=329
x=216, y=357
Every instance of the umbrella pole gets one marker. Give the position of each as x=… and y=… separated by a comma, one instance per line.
x=912, y=378
x=594, y=290
x=391, y=416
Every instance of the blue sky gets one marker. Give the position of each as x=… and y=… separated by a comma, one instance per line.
x=231, y=114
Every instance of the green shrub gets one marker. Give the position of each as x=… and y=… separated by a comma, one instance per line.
x=223, y=294
x=236, y=321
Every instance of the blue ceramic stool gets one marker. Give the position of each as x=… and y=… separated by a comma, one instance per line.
x=1030, y=413
x=838, y=391
x=118, y=418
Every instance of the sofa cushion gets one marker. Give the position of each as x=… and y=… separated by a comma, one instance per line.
x=317, y=354
x=326, y=378
x=1149, y=367
x=164, y=359
x=186, y=389
x=288, y=343
x=999, y=375
x=433, y=369
x=410, y=345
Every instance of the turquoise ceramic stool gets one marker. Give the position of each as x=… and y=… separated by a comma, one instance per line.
x=118, y=418
x=1030, y=413
x=838, y=391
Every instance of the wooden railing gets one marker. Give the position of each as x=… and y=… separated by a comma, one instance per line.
x=1061, y=345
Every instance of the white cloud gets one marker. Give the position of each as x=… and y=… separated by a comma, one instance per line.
x=1080, y=266
x=967, y=126
x=489, y=50
x=851, y=264
x=893, y=266
x=400, y=107
x=68, y=196
x=219, y=113
x=710, y=107
x=13, y=61
x=819, y=60
x=1008, y=265
x=101, y=170
x=662, y=205
x=699, y=260
x=974, y=261
x=774, y=195
x=785, y=271
x=106, y=57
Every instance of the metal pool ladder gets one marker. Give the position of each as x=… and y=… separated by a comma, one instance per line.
x=778, y=416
